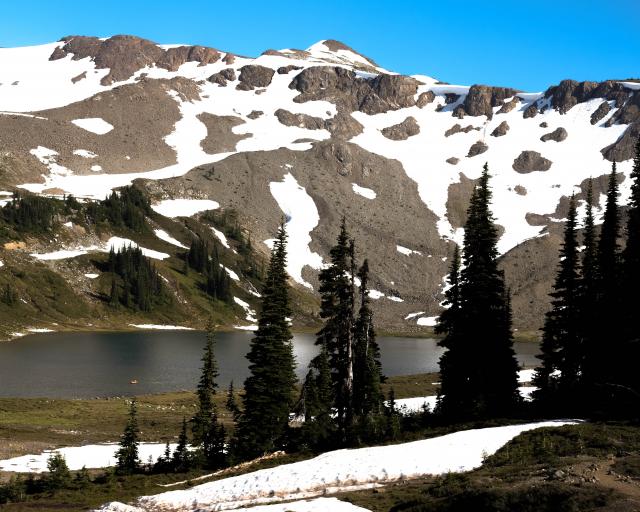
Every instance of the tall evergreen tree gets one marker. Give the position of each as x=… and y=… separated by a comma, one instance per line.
x=631, y=279
x=558, y=375
x=601, y=365
x=337, y=310
x=317, y=398
x=208, y=432
x=367, y=396
x=268, y=391
x=127, y=455
x=181, y=456
x=479, y=369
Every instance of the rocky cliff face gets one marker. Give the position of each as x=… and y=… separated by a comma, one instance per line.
x=314, y=135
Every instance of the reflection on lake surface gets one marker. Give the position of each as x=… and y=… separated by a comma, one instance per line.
x=83, y=365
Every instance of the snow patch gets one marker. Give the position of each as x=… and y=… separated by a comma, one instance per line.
x=84, y=153
x=183, y=207
x=301, y=218
x=364, y=192
x=95, y=125
x=77, y=457
x=161, y=328
x=163, y=235
x=428, y=321
x=220, y=236
x=457, y=452
x=406, y=251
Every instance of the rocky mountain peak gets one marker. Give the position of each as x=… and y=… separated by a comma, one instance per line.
x=124, y=55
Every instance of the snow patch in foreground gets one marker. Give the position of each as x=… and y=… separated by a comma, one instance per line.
x=364, y=192
x=89, y=456
x=183, y=207
x=302, y=217
x=460, y=451
x=95, y=125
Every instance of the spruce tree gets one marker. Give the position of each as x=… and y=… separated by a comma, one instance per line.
x=317, y=398
x=337, y=310
x=630, y=330
x=607, y=343
x=181, y=456
x=479, y=371
x=558, y=375
x=367, y=396
x=127, y=454
x=208, y=432
x=268, y=391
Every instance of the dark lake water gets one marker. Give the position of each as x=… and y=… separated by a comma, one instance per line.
x=83, y=365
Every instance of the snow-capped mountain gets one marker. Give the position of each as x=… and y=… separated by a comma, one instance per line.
x=314, y=135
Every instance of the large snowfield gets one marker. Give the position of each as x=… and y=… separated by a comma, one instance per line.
x=341, y=470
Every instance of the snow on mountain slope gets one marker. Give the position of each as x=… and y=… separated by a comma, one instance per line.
x=342, y=470
x=323, y=101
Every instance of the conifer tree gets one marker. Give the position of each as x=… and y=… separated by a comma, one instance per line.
x=631, y=280
x=231, y=404
x=367, y=397
x=558, y=375
x=479, y=370
x=181, y=456
x=337, y=310
x=268, y=391
x=127, y=454
x=208, y=432
x=317, y=398
x=601, y=370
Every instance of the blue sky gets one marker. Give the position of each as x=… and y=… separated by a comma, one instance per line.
x=527, y=45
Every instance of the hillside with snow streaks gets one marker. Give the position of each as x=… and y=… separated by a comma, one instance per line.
x=345, y=122
x=342, y=470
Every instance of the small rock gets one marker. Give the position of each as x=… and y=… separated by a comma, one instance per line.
x=557, y=135
x=500, y=130
x=477, y=149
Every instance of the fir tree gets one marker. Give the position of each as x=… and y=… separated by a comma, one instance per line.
x=181, y=456
x=127, y=454
x=337, y=310
x=630, y=330
x=367, y=397
x=231, y=404
x=557, y=377
x=208, y=432
x=317, y=401
x=601, y=365
x=268, y=391
x=479, y=369
x=59, y=476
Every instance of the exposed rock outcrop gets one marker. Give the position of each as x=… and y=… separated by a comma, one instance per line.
x=557, y=135
x=603, y=109
x=425, y=98
x=222, y=77
x=531, y=161
x=481, y=99
x=125, y=55
x=456, y=128
x=283, y=70
x=255, y=114
x=300, y=120
x=477, y=149
x=344, y=88
x=508, y=106
x=254, y=76
x=530, y=111
x=453, y=160
x=569, y=93
x=402, y=131
x=500, y=130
